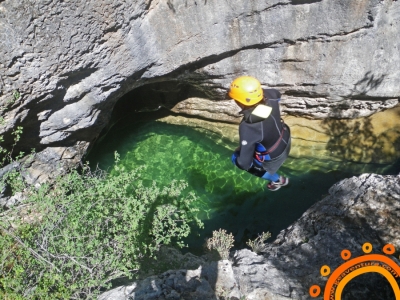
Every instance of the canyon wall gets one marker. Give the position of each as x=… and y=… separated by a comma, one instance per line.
x=64, y=64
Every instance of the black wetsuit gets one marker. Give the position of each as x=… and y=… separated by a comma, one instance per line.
x=256, y=132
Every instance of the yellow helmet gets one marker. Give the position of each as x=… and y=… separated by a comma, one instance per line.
x=246, y=90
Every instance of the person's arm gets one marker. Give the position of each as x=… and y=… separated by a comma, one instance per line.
x=249, y=135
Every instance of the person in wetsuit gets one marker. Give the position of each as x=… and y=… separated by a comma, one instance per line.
x=264, y=137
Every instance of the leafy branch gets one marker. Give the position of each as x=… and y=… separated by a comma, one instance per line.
x=86, y=230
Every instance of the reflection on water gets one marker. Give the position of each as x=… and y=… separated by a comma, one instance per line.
x=227, y=197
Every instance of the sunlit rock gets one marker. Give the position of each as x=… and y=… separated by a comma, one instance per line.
x=71, y=61
x=374, y=139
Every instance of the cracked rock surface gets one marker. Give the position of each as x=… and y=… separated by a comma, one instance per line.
x=70, y=61
x=358, y=210
x=65, y=64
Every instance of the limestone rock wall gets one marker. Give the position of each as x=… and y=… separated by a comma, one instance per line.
x=65, y=63
x=70, y=61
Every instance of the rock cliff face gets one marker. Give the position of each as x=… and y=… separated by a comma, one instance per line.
x=69, y=62
x=65, y=64
x=358, y=210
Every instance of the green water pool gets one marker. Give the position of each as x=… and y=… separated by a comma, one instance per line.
x=228, y=198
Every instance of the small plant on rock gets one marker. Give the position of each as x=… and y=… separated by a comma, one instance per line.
x=222, y=242
x=258, y=245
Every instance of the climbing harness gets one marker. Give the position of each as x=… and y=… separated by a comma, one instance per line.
x=261, y=155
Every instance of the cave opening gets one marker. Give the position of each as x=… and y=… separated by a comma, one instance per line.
x=152, y=96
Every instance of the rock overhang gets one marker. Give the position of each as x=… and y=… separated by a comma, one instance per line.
x=71, y=62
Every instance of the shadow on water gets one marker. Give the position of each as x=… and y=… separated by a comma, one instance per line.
x=354, y=142
x=357, y=140
x=247, y=214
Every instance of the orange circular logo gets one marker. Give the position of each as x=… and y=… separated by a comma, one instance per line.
x=350, y=269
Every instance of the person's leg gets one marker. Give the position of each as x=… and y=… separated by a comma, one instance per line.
x=271, y=177
x=257, y=170
x=275, y=181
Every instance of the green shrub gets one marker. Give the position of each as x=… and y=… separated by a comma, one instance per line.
x=222, y=242
x=71, y=239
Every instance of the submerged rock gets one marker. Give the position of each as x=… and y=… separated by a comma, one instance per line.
x=358, y=210
x=374, y=139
